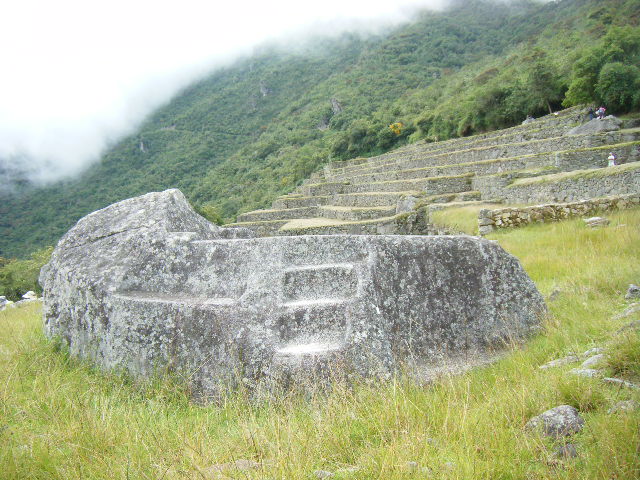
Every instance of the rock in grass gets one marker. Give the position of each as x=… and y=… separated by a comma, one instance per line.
x=148, y=285
x=635, y=325
x=592, y=351
x=560, y=361
x=629, y=311
x=632, y=292
x=586, y=372
x=596, y=222
x=323, y=474
x=594, y=360
x=566, y=451
x=621, y=383
x=624, y=406
x=557, y=422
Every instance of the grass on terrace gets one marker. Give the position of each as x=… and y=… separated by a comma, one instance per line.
x=61, y=419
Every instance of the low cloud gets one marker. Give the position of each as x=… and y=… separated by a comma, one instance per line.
x=78, y=75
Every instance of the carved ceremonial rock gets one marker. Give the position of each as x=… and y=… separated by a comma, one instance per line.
x=148, y=285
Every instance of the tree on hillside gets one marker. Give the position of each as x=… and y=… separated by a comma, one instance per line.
x=620, y=46
x=618, y=86
x=543, y=81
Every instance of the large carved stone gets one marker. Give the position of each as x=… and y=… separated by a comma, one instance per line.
x=148, y=285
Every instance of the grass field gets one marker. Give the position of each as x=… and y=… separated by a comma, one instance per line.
x=61, y=419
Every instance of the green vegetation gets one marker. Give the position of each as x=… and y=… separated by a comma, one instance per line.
x=461, y=219
x=62, y=419
x=254, y=130
x=19, y=276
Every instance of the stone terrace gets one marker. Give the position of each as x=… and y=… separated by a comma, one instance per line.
x=393, y=192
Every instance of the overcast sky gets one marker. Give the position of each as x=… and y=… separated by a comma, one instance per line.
x=76, y=74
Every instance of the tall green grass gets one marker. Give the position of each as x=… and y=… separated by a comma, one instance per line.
x=61, y=419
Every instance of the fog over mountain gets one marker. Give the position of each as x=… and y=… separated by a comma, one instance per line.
x=78, y=75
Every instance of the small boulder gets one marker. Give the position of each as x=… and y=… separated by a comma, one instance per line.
x=593, y=351
x=630, y=310
x=594, y=360
x=586, y=372
x=633, y=292
x=621, y=383
x=624, y=406
x=560, y=421
x=560, y=361
x=322, y=474
x=596, y=222
x=30, y=295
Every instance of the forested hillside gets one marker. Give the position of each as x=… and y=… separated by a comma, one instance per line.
x=256, y=129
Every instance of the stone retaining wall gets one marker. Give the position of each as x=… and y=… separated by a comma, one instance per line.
x=575, y=186
x=489, y=220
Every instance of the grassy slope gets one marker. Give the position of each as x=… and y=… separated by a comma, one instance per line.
x=61, y=419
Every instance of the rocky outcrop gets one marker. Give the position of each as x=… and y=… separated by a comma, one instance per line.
x=597, y=125
x=148, y=285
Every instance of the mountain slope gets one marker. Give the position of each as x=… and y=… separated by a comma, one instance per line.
x=254, y=130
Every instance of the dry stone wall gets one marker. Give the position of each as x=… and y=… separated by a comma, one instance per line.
x=490, y=220
x=575, y=186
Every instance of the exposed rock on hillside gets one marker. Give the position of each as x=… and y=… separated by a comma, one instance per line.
x=597, y=125
x=148, y=285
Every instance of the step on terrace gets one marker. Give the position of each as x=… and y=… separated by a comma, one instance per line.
x=394, y=192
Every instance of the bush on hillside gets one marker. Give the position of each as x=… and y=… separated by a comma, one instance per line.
x=19, y=276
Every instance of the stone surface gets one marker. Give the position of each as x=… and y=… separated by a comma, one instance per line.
x=30, y=295
x=148, y=285
x=560, y=361
x=628, y=312
x=624, y=406
x=593, y=360
x=322, y=474
x=607, y=124
x=560, y=421
x=621, y=383
x=488, y=220
x=633, y=292
x=592, y=351
x=596, y=222
x=586, y=372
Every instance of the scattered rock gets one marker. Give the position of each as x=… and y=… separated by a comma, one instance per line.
x=586, y=372
x=566, y=451
x=627, y=312
x=412, y=465
x=560, y=421
x=593, y=351
x=560, y=361
x=554, y=294
x=620, y=382
x=635, y=325
x=349, y=469
x=624, y=406
x=323, y=474
x=596, y=222
x=607, y=124
x=243, y=465
x=594, y=360
x=632, y=292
